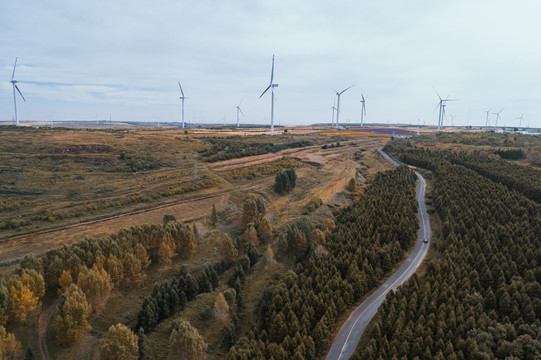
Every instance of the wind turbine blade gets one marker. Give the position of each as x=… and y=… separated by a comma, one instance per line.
x=241, y=101
x=346, y=89
x=241, y=112
x=20, y=93
x=182, y=92
x=13, y=75
x=272, y=71
x=264, y=91
x=438, y=94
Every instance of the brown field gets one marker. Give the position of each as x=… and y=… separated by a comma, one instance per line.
x=30, y=158
x=51, y=177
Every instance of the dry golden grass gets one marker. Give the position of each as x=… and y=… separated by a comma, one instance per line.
x=324, y=173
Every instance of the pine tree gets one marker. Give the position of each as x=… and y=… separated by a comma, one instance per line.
x=29, y=355
x=143, y=345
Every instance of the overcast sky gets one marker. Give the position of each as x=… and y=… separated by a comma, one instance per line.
x=84, y=60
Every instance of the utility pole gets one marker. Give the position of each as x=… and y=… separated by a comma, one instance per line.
x=195, y=165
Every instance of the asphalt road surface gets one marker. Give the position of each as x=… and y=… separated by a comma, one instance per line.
x=345, y=343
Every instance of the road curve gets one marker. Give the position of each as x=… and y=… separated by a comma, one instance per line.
x=346, y=341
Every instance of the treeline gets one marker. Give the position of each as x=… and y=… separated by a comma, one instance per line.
x=235, y=147
x=87, y=271
x=335, y=266
x=523, y=179
x=172, y=295
x=511, y=154
x=480, y=297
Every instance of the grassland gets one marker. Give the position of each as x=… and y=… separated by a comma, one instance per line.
x=55, y=171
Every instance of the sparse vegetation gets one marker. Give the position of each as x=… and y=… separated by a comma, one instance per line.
x=268, y=168
x=233, y=147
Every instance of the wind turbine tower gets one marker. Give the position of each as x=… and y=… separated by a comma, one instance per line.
x=15, y=87
x=239, y=110
x=442, y=105
x=488, y=112
x=338, y=104
x=497, y=116
x=521, y=118
x=363, y=109
x=182, y=98
x=271, y=86
x=333, y=109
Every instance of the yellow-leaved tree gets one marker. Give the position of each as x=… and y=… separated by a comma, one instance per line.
x=24, y=292
x=10, y=348
x=96, y=284
x=120, y=343
x=221, y=309
x=72, y=315
x=185, y=342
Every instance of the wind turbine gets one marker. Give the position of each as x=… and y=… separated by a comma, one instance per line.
x=521, y=118
x=497, y=116
x=239, y=110
x=452, y=119
x=441, y=105
x=488, y=112
x=338, y=105
x=182, y=98
x=14, y=82
x=333, y=109
x=271, y=86
x=363, y=109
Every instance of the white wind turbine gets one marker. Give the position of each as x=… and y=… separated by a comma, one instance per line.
x=521, y=118
x=14, y=84
x=239, y=110
x=497, y=116
x=271, y=86
x=182, y=98
x=333, y=109
x=488, y=112
x=442, y=105
x=338, y=103
x=363, y=109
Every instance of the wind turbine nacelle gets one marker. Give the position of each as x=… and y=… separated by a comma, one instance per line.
x=274, y=85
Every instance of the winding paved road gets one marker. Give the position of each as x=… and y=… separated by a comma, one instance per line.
x=346, y=341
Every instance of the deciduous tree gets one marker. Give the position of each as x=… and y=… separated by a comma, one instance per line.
x=120, y=343
x=221, y=309
x=10, y=348
x=185, y=342
x=72, y=316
